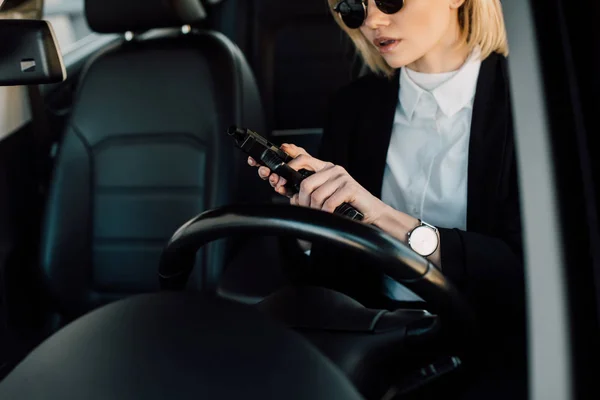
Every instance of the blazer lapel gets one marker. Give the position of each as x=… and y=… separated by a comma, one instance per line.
x=373, y=135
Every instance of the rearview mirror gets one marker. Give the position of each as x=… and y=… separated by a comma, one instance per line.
x=29, y=54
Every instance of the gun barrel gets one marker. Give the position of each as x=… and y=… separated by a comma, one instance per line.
x=236, y=132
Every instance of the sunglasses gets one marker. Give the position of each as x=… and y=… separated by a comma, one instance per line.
x=354, y=12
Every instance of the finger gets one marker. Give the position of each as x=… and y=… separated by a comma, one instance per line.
x=304, y=161
x=282, y=181
x=313, y=182
x=251, y=162
x=325, y=191
x=273, y=179
x=294, y=200
x=264, y=172
x=345, y=194
x=292, y=149
x=282, y=191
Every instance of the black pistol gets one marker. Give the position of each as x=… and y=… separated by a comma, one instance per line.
x=272, y=157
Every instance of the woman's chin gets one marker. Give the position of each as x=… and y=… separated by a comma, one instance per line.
x=399, y=60
x=399, y=55
x=396, y=61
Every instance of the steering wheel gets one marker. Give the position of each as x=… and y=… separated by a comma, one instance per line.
x=192, y=345
x=391, y=256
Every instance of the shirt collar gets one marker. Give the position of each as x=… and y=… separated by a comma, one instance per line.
x=410, y=93
x=452, y=96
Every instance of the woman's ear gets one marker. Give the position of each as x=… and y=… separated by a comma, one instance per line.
x=456, y=4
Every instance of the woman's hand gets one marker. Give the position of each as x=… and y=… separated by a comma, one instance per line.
x=332, y=185
x=328, y=188
x=265, y=173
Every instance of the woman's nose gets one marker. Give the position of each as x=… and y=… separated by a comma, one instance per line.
x=375, y=18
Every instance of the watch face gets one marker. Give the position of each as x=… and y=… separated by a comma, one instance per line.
x=423, y=240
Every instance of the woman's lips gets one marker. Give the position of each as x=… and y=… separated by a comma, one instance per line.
x=385, y=44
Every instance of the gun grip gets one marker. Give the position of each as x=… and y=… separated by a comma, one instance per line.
x=345, y=209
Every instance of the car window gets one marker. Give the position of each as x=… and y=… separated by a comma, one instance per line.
x=69, y=23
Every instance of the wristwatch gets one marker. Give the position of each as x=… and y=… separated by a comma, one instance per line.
x=424, y=239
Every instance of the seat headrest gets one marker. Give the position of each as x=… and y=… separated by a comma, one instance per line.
x=118, y=16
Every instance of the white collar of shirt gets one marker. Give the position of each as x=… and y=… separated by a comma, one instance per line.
x=451, y=96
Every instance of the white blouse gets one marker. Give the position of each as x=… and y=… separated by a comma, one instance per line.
x=427, y=161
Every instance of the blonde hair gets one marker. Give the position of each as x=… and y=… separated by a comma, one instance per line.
x=481, y=22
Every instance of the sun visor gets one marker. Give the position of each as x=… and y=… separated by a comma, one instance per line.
x=29, y=53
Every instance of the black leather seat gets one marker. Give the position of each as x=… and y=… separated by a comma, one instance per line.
x=145, y=150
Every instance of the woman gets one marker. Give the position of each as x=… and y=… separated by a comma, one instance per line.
x=424, y=144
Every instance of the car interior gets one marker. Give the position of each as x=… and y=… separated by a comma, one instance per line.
x=140, y=257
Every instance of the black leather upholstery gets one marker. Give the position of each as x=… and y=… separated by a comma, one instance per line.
x=180, y=347
x=300, y=57
x=145, y=150
x=117, y=16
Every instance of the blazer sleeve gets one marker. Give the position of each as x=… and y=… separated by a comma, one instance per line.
x=491, y=262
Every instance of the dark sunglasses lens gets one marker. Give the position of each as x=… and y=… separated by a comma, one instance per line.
x=390, y=6
x=352, y=13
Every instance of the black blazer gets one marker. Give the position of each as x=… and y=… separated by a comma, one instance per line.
x=485, y=261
